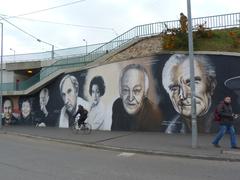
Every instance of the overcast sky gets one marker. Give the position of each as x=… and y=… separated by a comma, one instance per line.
x=99, y=20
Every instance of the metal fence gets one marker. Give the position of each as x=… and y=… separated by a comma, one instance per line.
x=219, y=21
x=212, y=22
x=58, y=54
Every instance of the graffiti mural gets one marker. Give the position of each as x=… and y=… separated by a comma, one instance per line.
x=133, y=110
x=97, y=109
x=142, y=94
x=8, y=116
x=69, y=89
x=176, y=81
x=26, y=111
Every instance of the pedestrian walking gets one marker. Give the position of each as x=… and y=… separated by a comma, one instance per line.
x=226, y=122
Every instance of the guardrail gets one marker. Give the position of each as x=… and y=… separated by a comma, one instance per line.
x=212, y=22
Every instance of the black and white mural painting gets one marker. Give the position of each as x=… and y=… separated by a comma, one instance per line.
x=133, y=110
x=176, y=82
x=8, y=112
x=142, y=94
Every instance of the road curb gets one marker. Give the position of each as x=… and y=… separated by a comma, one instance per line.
x=124, y=149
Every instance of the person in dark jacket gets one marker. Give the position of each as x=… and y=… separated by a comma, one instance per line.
x=226, y=123
x=81, y=115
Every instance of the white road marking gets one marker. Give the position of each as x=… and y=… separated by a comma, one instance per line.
x=126, y=154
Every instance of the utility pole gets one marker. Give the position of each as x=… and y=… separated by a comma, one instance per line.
x=86, y=46
x=14, y=53
x=192, y=79
x=1, y=82
x=52, y=51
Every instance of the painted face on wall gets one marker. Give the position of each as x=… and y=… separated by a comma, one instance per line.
x=69, y=95
x=7, y=109
x=95, y=94
x=43, y=98
x=26, y=109
x=132, y=90
x=227, y=100
x=180, y=90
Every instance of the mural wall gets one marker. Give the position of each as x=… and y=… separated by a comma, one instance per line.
x=144, y=94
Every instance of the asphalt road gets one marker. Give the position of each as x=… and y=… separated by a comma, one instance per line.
x=24, y=158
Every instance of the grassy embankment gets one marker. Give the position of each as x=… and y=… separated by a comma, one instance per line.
x=204, y=40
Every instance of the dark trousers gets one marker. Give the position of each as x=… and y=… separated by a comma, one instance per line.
x=81, y=120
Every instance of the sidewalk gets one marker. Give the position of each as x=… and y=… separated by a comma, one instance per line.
x=136, y=142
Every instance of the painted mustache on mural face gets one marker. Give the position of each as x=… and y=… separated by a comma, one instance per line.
x=69, y=107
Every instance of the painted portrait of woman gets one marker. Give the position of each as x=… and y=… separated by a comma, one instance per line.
x=96, y=113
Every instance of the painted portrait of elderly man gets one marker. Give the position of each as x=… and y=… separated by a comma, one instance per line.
x=69, y=88
x=133, y=111
x=176, y=81
x=8, y=118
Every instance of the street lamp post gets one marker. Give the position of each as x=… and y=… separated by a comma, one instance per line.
x=192, y=81
x=52, y=52
x=86, y=46
x=14, y=53
x=1, y=80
